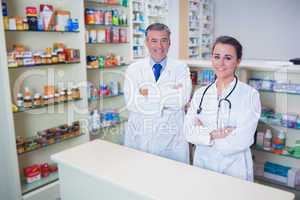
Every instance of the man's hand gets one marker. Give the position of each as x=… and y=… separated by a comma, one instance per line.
x=221, y=133
x=143, y=92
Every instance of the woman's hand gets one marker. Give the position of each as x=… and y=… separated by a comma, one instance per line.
x=221, y=133
x=198, y=122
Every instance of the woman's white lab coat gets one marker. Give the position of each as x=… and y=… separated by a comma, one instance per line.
x=155, y=123
x=230, y=155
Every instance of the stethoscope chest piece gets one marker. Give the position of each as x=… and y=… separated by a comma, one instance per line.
x=199, y=110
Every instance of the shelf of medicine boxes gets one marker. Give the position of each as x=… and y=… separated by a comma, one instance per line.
x=121, y=121
x=45, y=106
x=42, y=65
x=104, y=43
x=51, y=31
x=47, y=145
x=105, y=4
x=138, y=22
x=108, y=67
x=29, y=187
x=104, y=26
x=279, y=92
x=276, y=183
x=265, y=121
x=269, y=151
x=105, y=97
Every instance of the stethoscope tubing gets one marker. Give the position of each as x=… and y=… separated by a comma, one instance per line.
x=199, y=110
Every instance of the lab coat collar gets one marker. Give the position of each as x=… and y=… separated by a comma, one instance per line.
x=164, y=74
x=227, y=89
x=163, y=63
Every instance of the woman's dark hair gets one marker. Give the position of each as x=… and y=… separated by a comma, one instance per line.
x=231, y=41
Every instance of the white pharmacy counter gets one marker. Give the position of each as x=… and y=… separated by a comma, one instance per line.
x=102, y=170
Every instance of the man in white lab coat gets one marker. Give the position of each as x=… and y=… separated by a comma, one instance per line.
x=156, y=90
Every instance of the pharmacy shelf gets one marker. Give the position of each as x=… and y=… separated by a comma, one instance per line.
x=138, y=45
x=284, y=155
x=277, y=125
x=278, y=92
x=138, y=34
x=111, y=25
x=40, y=107
x=50, y=31
x=137, y=11
x=156, y=16
x=138, y=22
x=104, y=4
x=105, y=97
x=41, y=65
x=122, y=120
x=101, y=43
x=109, y=67
x=25, y=122
x=29, y=187
x=274, y=183
x=138, y=1
x=138, y=57
x=47, y=145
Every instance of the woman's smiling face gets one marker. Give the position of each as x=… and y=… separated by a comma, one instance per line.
x=224, y=60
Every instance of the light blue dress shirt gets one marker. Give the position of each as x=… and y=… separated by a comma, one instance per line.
x=163, y=64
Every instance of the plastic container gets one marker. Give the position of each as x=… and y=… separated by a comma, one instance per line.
x=278, y=144
x=267, y=144
x=260, y=139
x=267, y=85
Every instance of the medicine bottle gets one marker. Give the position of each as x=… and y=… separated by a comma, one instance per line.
x=268, y=140
x=20, y=100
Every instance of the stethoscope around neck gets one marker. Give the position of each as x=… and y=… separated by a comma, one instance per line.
x=223, y=100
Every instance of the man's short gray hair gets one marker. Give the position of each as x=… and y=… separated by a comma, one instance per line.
x=157, y=27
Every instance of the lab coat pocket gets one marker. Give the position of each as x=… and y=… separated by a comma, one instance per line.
x=136, y=137
x=235, y=166
x=207, y=158
x=165, y=134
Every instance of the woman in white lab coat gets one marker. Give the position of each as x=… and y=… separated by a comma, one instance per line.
x=156, y=107
x=223, y=116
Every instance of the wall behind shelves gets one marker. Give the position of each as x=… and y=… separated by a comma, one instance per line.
x=267, y=29
x=276, y=23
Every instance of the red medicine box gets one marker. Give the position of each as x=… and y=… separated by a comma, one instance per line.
x=32, y=173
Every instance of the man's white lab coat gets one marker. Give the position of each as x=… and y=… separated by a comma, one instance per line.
x=155, y=122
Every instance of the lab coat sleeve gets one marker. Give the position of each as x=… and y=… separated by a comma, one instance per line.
x=243, y=136
x=135, y=102
x=196, y=134
x=177, y=98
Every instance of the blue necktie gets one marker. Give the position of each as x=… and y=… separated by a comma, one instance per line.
x=156, y=70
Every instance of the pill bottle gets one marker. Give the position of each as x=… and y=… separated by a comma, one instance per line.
x=268, y=140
